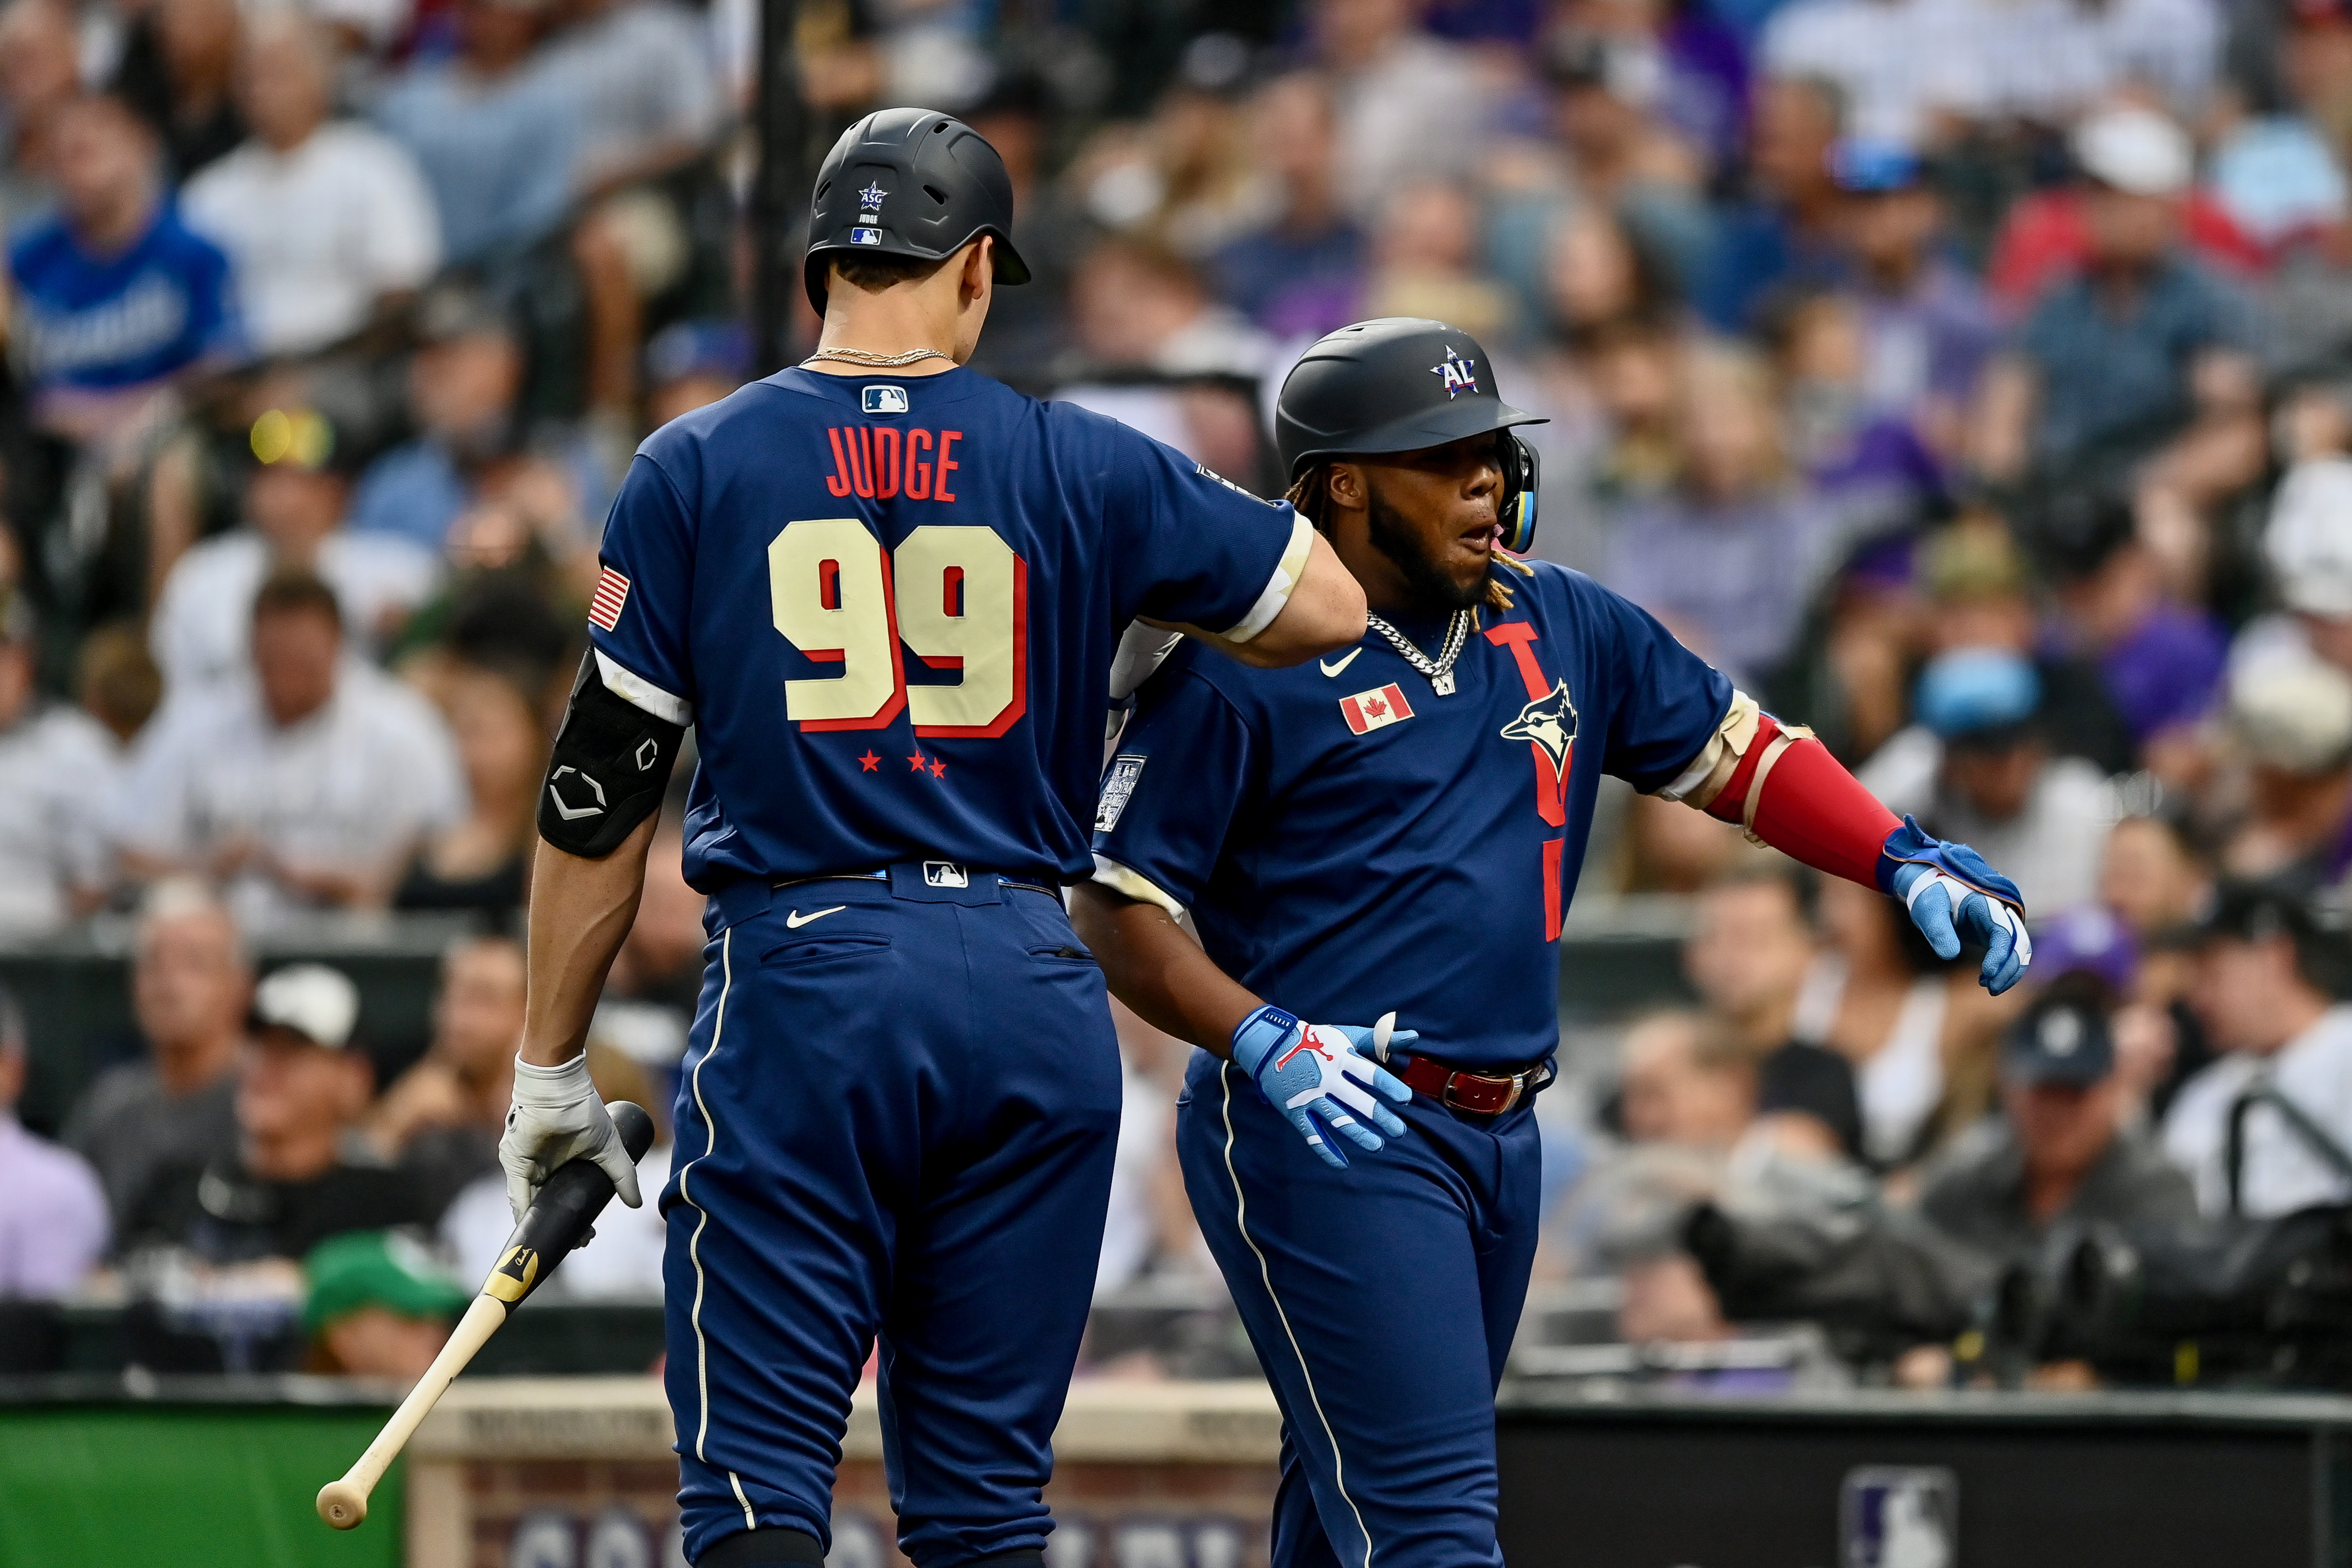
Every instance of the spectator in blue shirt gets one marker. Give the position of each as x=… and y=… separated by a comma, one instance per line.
x=2110, y=363
x=499, y=144
x=1304, y=272
x=117, y=297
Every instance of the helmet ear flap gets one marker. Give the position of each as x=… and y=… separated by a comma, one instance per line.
x=1522, y=476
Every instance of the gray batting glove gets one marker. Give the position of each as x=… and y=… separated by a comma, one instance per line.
x=556, y=1118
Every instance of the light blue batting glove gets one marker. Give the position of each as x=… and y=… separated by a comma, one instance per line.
x=1311, y=1071
x=1951, y=894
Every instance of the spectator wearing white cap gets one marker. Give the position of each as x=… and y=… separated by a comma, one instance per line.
x=2309, y=546
x=326, y=221
x=300, y=1173
x=2112, y=361
x=2291, y=716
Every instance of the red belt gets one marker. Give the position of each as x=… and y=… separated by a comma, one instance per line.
x=1481, y=1094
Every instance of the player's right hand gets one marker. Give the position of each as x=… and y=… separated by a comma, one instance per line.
x=556, y=1118
x=1315, y=1075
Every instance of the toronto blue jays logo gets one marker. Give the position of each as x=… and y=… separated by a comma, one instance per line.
x=872, y=195
x=1550, y=723
x=1459, y=375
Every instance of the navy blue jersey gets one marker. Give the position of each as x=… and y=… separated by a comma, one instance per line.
x=1349, y=842
x=889, y=608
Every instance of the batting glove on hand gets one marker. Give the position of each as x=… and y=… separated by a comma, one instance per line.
x=1951, y=894
x=1308, y=1071
x=556, y=1118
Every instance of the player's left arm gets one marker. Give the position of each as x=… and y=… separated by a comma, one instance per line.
x=1323, y=611
x=1778, y=783
x=622, y=734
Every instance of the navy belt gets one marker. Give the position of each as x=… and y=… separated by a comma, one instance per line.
x=925, y=881
x=884, y=875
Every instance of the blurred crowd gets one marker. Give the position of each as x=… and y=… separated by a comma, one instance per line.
x=1971, y=379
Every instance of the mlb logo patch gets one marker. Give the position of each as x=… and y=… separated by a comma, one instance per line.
x=945, y=874
x=612, y=594
x=864, y=237
x=883, y=399
x=1892, y=1516
x=1118, y=788
x=1368, y=711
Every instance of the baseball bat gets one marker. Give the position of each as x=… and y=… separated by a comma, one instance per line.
x=554, y=1224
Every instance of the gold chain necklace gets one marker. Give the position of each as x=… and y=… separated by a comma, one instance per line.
x=878, y=362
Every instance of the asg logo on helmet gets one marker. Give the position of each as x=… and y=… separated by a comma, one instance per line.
x=1459, y=375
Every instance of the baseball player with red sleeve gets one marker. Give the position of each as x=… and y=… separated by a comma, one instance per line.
x=1391, y=834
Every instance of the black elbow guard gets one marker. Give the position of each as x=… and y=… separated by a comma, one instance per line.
x=611, y=763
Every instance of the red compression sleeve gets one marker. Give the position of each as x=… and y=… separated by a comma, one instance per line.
x=1811, y=810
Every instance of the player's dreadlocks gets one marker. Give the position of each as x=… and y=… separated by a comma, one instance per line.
x=1312, y=495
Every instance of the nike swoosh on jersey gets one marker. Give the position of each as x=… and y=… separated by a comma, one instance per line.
x=796, y=920
x=1329, y=668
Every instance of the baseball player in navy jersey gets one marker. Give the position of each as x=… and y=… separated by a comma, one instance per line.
x=886, y=591
x=1388, y=835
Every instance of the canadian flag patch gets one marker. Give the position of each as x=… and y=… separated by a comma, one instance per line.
x=1368, y=711
x=611, y=593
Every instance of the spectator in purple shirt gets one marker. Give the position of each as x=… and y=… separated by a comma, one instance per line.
x=52, y=1214
x=1928, y=327
x=2161, y=661
x=1726, y=558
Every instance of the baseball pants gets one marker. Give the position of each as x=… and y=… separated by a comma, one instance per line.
x=895, y=1121
x=1382, y=1300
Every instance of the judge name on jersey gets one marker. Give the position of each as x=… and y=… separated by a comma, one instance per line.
x=876, y=462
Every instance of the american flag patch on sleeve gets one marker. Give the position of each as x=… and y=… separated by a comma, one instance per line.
x=611, y=593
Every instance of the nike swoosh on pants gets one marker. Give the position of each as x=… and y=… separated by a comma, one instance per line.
x=796, y=920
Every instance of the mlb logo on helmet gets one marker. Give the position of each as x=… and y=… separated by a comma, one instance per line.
x=1376, y=710
x=945, y=874
x=864, y=237
x=883, y=399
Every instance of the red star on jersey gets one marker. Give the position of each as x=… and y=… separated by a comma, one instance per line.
x=939, y=769
x=916, y=762
x=869, y=762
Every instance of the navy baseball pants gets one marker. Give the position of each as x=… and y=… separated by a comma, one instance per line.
x=896, y=1119
x=1382, y=1300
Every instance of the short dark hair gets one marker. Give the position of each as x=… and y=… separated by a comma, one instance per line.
x=875, y=273
x=293, y=590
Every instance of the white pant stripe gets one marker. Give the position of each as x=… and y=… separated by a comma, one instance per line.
x=694, y=1242
x=1241, y=1222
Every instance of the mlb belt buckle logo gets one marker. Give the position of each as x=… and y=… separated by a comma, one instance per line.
x=1895, y=1516
x=1375, y=709
x=945, y=874
x=883, y=399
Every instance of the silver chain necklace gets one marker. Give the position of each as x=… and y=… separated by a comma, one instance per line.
x=1441, y=672
x=869, y=357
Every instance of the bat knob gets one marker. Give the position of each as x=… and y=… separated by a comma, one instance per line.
x=343, y=1504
